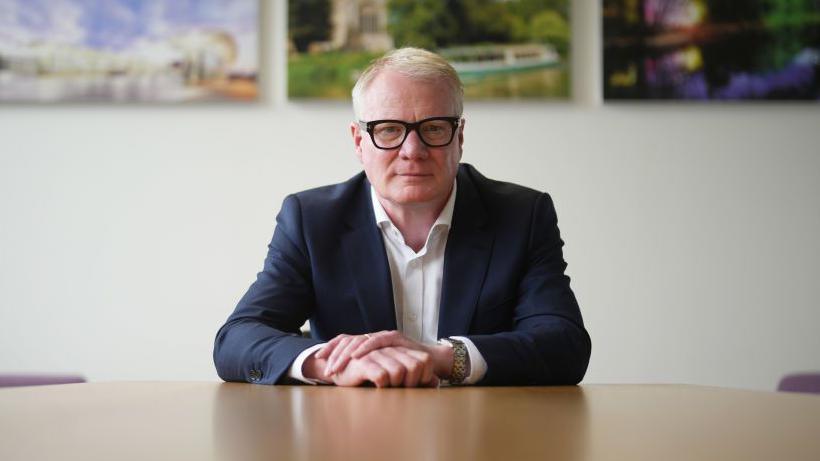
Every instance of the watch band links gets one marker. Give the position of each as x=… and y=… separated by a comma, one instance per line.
x=461, y=361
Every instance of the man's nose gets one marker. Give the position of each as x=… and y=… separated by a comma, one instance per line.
x=413, y=147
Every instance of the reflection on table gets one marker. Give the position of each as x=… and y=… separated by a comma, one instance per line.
x=219, y=421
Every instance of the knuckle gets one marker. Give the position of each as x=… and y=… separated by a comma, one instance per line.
x=382, y=376
x=398, y=371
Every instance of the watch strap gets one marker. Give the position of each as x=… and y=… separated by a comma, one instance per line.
x=461, y=361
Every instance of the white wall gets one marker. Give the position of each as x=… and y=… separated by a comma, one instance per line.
x=128, y=233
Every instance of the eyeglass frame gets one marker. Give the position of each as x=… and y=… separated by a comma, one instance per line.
x=412, y=126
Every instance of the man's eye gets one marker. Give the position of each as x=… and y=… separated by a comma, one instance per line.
x=388, y=130
x=433, y=129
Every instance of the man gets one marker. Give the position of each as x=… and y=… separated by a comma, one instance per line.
x=418, y=270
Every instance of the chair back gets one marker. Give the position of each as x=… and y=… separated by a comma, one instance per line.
x=17, y=380
x=800, y=382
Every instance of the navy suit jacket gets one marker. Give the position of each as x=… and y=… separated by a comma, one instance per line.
x=503, y=284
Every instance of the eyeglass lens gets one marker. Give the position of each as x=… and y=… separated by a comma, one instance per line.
x=435, y=133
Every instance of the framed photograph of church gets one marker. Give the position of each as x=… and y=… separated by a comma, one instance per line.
x=511, y=49
x=165, y=51
x=711, y=50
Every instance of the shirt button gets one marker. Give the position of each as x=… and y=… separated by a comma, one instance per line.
x=413, y=317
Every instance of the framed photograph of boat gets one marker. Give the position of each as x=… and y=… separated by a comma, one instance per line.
x=502, y=49
x=165, y=51
x=711, y=50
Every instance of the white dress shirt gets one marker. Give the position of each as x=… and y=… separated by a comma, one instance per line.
x=417, y=280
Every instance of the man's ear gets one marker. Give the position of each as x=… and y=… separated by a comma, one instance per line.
x=356, y=132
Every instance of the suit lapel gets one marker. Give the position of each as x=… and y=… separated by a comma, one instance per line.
x=367, y=262
x=466, y=259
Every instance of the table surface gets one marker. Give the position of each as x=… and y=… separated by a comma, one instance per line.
x=202, y=421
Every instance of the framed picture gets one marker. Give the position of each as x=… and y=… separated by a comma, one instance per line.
x=507, y=49
x=712, y=49
x=128, y=50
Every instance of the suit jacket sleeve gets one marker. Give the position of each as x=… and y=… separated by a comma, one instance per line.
x=548, y=343
x=260, y=340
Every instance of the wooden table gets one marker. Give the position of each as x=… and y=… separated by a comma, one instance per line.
x=202, y=421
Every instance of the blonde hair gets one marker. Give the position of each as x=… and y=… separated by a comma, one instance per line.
x=414, y=63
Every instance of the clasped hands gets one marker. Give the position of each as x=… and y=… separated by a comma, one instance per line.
x=386, y=359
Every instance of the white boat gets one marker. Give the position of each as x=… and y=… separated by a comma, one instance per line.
x=480, y=60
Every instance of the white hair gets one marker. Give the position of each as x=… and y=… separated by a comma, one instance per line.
x=414, y=63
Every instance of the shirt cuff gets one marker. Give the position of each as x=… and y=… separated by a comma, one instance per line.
x=295, y=370
x=478, y=366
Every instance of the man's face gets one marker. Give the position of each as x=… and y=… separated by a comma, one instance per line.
x=412, y=174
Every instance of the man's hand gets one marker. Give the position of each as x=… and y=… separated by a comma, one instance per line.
x=385, y=367
x=336, y=352
x=340, y=350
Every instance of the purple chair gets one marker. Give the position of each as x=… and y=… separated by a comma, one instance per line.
x=800, y=382
x=16, y=380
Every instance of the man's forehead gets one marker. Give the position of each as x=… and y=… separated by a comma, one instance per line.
x=393, y=95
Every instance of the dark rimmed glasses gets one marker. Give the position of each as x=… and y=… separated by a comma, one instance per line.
x=433, y=131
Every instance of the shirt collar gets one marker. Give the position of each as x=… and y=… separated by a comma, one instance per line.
x=445, y=218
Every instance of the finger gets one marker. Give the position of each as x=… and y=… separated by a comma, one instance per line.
x=427, y=377
x=395, y=369
x=374, y=341
x=325, y=351
x=336, y=351
x=343, y=356
x=351, y=376
x=375, y=373
x=414, y=367
x=354, y=374
x=380, y=340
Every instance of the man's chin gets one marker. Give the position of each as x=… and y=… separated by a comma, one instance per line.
x=413, y=197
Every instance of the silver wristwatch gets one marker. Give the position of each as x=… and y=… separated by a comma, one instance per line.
x=461, y=361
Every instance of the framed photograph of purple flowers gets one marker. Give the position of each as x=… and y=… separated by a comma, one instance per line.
x=711, y=50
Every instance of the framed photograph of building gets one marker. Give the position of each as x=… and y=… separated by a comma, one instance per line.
x=707, y=50
x=165, y=51
x=502, y=49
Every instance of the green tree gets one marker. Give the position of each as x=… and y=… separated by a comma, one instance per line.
x=421, y=23
x=528, y=8
x=791, y=12
x=486, y=21
x=308, y=21
x=550, y=27
x=439, y=23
